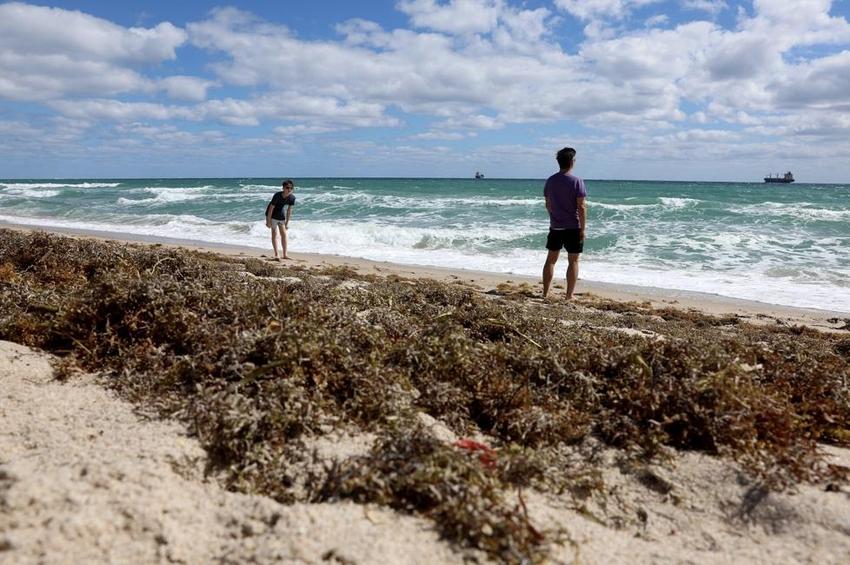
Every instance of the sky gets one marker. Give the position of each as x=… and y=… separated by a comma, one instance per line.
x=702, y=90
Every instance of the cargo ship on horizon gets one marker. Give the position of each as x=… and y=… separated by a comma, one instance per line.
x=786, y=178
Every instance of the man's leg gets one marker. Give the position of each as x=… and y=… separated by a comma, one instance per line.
x=274, y=240
x=283, y=240
x=572, y=273
x=549, y=270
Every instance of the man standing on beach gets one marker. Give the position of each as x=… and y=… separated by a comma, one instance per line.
x=565, y=195
x=276, y=217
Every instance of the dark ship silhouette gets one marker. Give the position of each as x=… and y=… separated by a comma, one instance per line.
x=786, y=178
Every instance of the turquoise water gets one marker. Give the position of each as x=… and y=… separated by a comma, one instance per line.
x=782, y=244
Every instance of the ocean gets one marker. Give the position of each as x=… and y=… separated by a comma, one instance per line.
x=779, y=244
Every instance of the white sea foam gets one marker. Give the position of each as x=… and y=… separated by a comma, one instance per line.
x=263, y=187
x=620, y=207
x=32, y=192
x=414, y=202
x=665, y=203
x=26, y=185
x=165, y=195
x=176, y=189
x=163, y=198
x=674, y=202
x=823, y=214
x=798, y=210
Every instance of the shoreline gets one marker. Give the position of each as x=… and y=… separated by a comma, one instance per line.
x=713, y=304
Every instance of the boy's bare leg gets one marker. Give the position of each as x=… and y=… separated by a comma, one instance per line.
x=549, y=270
x=274, y=242
x=283, y=240
x=572, y=274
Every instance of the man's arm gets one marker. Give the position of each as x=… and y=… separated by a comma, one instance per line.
x=288, y=214
x=582, y=216
x=548, y=209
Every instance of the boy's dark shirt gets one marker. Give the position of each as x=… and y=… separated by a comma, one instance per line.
x=278, y=202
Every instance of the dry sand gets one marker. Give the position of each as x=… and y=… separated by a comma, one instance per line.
x=84, y=479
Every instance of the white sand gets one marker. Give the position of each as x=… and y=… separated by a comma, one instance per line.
x=85, y=480
x=700, y=519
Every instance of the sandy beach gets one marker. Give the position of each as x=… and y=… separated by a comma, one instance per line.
x=84, y=478
x=398, y=389
x=86, y=475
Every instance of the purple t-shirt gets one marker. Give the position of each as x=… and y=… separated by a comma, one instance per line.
x=563, y=190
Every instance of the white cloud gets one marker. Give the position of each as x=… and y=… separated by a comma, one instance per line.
x=463, y=67
x=657, y=20
x=653, y=54
x=303, y=129
x=470, y=122
x=53, y=136
x=801, y=22
x=457, y=16
x=166, y=136
x=114, y=110
x=821, y=83
x=50, y=52
x=192, y=89
x=428, y=73
x=19, y=129
x=43, y=77
x=713, y=7
x=810, y=125
x=231, y=111
x=743, y=57
x=39, y=30
x=591, y=9
x=439, y=135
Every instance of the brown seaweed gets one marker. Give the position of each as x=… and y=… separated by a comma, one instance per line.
x=256, y=358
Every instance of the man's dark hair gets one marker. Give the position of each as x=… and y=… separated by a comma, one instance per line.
x=288, y=182
x=565, y=157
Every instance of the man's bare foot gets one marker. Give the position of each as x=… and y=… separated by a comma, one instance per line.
x=550, y=299
x=287, y=257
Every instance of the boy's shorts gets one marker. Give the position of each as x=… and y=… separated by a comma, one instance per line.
x=569, y=239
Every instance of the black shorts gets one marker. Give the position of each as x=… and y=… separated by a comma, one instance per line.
x=567, y=239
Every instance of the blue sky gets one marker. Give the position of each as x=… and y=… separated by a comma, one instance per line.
x=643, y=89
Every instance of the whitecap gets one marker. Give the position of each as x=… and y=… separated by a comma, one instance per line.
x=799, y=210
x=161, y=198
x=32, y=192
x=676, y=202
x=619, y=207
x=263, y=187
x=31, y=185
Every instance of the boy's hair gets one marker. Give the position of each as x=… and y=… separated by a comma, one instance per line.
x=288, y=182
x=566, y=157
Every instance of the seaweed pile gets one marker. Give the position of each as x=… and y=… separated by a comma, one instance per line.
x=258, y=359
